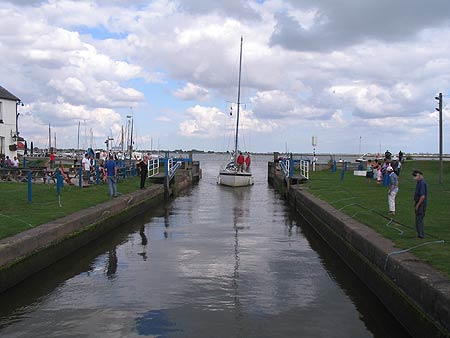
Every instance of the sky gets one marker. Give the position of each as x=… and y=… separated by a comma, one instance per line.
x=361, y=76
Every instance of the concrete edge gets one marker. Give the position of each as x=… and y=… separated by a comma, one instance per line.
x=28, y=252
x=414, y=292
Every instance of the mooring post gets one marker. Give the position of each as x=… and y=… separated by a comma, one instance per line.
x=80, y=178
x=59, y=182
x=30, y=192
x=344, y=168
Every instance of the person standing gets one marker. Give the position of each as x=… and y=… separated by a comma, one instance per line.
x=393, y=189
x=369, y=171
x=52, y=160
x=420, y=202
x=240, y=161
x=248, y=161
x=111, y=171
x=143, y=170
x=86, y=164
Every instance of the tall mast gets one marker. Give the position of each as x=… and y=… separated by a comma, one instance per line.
x=78, y=146
x=238, y=104
x=121, y=140
x=49, y=139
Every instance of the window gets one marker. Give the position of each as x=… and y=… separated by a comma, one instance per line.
x=1, y=112
x=2, y=145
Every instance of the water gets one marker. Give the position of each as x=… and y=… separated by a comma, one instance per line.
x=215, y=262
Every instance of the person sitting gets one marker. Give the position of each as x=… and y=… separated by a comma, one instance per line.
x=8, y=162
x=65, y=177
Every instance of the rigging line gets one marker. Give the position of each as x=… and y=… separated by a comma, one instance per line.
x=384, y=216
x=343, y=199
x=441, y=241
x=17, y=219
x=388, y=224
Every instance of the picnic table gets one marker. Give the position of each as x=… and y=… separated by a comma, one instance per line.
x=20, y=174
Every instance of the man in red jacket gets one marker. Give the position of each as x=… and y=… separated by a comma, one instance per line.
x=240, y=161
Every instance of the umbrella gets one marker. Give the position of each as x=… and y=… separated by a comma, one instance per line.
x=25, y=149
x=32, y=148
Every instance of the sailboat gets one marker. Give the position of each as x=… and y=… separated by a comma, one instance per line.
x=232, y=175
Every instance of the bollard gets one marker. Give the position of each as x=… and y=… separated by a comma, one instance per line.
x=344, y=169
x=80, y=181
x=59, y=182
x=30, y=192
x=97, y=174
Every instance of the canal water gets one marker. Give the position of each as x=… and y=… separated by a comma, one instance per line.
x=214, y=262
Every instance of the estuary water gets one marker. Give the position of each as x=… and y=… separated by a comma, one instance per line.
x=214, y=262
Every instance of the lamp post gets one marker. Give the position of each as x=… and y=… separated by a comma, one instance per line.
x=18, y=103
x=131, y=135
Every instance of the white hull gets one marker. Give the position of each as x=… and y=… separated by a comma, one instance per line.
x=235, y=179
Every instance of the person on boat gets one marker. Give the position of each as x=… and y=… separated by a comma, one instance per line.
x=240, y=162
x=248, y=161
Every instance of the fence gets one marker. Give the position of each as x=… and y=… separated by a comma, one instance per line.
x=44, y=175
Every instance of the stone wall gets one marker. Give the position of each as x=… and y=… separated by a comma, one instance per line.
x=415, y=293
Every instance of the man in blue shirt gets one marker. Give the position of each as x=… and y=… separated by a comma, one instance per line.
x=111, y=171
x=420, y=202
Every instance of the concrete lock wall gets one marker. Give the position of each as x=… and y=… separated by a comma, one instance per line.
x=31, y=251
x=414, y=292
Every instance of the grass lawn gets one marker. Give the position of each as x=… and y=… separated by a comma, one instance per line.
x=17, y=215
x=367, y=203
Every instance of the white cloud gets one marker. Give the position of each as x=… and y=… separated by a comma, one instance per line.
x=111, y=55
x=210, y=122
x=192, y=92
x=164, y=118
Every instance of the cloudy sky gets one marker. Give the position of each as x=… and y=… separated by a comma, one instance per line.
x=353, y=73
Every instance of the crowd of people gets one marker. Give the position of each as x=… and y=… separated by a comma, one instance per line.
x=108, y=169
x=7, y=162
x=386, y=172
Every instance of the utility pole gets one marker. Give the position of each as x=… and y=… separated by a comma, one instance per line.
x=441, y=162
x=78, y=146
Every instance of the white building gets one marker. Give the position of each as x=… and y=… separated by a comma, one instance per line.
x=8, y=123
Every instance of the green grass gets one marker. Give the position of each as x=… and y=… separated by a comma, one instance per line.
x=367, y=203
x=17, y=215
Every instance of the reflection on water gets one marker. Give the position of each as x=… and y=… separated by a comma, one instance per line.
x=216, y=262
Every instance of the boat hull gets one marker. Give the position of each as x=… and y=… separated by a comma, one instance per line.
x=235, y=179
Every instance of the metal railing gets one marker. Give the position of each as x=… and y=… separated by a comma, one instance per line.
x=304, y=168
x=285, y=166
x=153, y=167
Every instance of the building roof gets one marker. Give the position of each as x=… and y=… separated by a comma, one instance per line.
x=4, y=94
